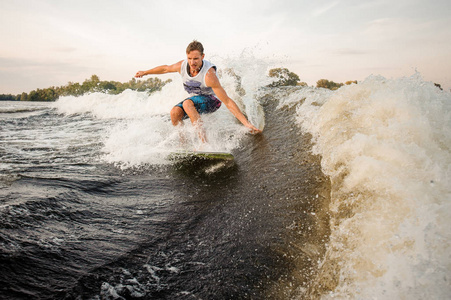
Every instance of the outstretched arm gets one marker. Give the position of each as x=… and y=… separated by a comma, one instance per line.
x=212, y=81
x=161, y=70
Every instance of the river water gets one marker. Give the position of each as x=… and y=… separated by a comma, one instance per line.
x=346, y=194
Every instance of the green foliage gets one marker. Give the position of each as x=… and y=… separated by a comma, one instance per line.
x=327, y=84
x=48, y=94
x=91, y=85
x=7, y=97
x=23, y=97
x=324, y=83
x=284, y=76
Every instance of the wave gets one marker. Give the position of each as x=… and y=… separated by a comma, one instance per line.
x=385, y=143
x=16, y=109
x=13, y=110
x=143, y=132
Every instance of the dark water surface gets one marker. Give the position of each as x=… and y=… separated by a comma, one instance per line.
x=74, y=227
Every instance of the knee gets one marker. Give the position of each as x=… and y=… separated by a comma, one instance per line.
x=188, y=105
x=177, y=114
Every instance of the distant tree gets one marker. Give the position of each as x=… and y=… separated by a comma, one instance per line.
x=324, y=83
x=33, y=96
x=95, y=78
x=90, y=85
x=351, y=82
x=7, y=97
x=284, y=76
x=50, y=94
x=107, y=86
x=71, y=89
x=23, y=97
x=149, y=85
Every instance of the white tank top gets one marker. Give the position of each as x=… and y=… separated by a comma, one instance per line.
x=196, y=85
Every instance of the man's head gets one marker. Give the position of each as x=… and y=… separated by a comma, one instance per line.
x=195, y=55
x=195, y=45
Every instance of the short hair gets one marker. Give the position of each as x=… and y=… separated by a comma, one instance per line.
x=195, y=45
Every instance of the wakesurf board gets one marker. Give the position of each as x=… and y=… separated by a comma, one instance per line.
x=200, y=162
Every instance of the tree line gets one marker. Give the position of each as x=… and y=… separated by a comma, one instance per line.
x=327, y=84
x=91, y=85
x=282, y=76
x=286, y=78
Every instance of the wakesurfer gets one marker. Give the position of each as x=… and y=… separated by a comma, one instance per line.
x=205, y=91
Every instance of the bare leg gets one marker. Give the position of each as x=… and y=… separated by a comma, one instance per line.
x=194, y=116
x=177, y=115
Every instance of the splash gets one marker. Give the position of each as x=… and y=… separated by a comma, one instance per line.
x=141, y=131
x=385, y=143
x=245, y=75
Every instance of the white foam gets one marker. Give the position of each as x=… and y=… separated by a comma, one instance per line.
x=385, y=143
x=127, y=105
x=142, y=132
x=253, y=75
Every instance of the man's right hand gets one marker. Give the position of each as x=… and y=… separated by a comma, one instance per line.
x=140, y=74
x=253, y=129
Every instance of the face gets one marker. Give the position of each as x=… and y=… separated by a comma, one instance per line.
x=195, y=59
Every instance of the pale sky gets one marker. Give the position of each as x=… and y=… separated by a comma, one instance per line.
x=51, y=42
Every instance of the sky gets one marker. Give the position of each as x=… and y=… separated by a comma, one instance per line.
x=52, y=42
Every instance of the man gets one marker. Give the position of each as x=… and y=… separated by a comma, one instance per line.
x=200, y=81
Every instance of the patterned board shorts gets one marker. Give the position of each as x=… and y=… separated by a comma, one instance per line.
x=204, y=104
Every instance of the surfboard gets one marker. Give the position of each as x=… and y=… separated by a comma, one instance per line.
x=202, y=163
x=200, y=155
